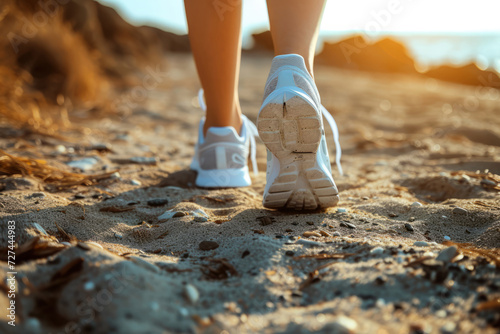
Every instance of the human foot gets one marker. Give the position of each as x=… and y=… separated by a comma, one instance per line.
x=290, y=125
x=221, y=156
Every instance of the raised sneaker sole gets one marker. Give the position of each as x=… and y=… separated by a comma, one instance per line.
x=291, y=128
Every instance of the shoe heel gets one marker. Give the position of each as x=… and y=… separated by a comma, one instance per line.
x=289, y=123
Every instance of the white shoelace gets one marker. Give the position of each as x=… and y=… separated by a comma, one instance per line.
x=333, y=125
x=249, y=127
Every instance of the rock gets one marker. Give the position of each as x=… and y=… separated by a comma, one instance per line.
x=324, y=233
x=65, y=243
x=448, y=328
x=311, y=243
x=84, y=164
x=309, y=234
x=61, y=149
x=380, y=280
x=381, y=163
x=341, y=210
x=447, y=254
x=208, y=245
x=377, y=250
x=420, y=244
x=171, y=214
x=191, y=293
x=341, y=325
x=200, y=215
x=488, y=183
x=143, y=160
x=40, y=229
x=19, y=183
x=144, y=264
x=289, y=253
x=347, y=224
x=118, y=235
x=135, y=182
x=101, y=147
x=336, y=234
x=460, y=211
x=89, y=286
x=115, y=176
x=446, y=237
x=409, y=227
x=416, y=204
x=157, y=202
x=37, y=195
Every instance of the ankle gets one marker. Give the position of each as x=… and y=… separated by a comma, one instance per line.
x=235, y=121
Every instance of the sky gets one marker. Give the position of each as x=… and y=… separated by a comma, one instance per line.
x=476, y=23
x=359, y=15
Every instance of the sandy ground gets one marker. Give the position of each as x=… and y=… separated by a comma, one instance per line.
x=416, y=153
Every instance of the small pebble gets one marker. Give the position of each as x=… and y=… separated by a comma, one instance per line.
x=135, y=182
x=65, y=243
x=341, y=325
x=346, y=224
x=487, y=182
x=89, y=286
x=183, y=311
x=365, y=198
x=341, y=210
x=144, y=160
x=380, y=302
x=440, y=314
x=115, y=176
x=191, y=293
x=61, y=149
x=37, y=195
x=420, y=244
x=325, y=234
x=416, y=204
x=118, y=235
x=158, y=201
x=199, y=215
x=79, y=196
x=289, y=253
x=409, y=227
x=208, y=245
x=154, y=306
x=171, y=214
x=309, y=234
x=84, y=164
x=312, y=243
x=459, y=211
x=336, y=234
x=377, y=250
x=412, y=219
x=447, y=254
x=446, y=237
x=448, y=328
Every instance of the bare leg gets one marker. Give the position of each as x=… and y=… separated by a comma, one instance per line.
x=295, y=26
x=214, y=32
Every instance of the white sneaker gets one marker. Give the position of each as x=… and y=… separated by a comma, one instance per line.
x=221, y=157
x=299, y=174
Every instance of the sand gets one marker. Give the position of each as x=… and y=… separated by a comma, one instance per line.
x=414, y=150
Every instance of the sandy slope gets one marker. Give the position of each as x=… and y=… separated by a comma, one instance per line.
x=404, y=141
